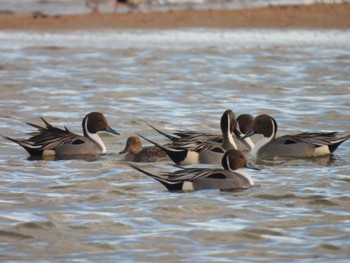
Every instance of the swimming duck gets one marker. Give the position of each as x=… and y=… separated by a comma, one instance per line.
x=230, y=137
x=50, y=140
x=186, y=151
x=298, y=146
x=190, y=179
x=135, y=152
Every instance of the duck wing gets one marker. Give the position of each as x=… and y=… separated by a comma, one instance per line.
x=313, y=138
x=206, y=178
x=190, y=174
x=197, y=146
x=49, y=137
x=194, y=135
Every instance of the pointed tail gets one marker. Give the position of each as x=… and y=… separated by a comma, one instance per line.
x=336, y=143
x=31, y=149
x=170, y=185
x=172, y=138
x=177, y=155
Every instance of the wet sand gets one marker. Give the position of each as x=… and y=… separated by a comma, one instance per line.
x=327, y=16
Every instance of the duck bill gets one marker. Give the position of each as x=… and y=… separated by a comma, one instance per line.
x=124, y=151
x=109, y=129
x=250, y=133
x=237, y=133
x=251, y=166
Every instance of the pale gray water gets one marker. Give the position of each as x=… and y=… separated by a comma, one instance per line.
x=99, y=209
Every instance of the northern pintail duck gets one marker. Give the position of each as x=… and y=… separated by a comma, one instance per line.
x=242, y=125
x=50, y=140
x=135, y=152
x=187, y=151
x=230, y=137
x=191, y=179
x=297, y=146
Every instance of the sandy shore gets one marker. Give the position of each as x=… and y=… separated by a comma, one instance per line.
x=294, y=16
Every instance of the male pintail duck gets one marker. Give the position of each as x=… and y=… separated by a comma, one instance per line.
x=240, y=128
x=296, y=146
x=244, y=123
x=135, y=152
x=50, y=140
x=191, y=179
x=230, y=137
x=187, y=151
x=191, y=153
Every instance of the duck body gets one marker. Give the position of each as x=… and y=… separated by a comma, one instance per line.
x=135, y=152
x=230, y=137
x=192, y=179
x=303, y=145
x=50, y=140
x=194, y=148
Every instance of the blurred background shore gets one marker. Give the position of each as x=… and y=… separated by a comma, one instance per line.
x=73, y=15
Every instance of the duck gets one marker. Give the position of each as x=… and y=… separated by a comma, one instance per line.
x=231, y=177
x=189, y=153
x=135, y=152
x=240, y=126
x=244, y=124
x=228, y=124
x=195, y=150
x=303, y=145
x=53, y=141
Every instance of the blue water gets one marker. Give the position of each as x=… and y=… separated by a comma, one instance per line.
x=99, y=209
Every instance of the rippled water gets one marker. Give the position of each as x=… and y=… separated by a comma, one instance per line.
x=99, y=209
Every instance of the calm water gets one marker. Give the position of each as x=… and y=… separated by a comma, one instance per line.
x=99, y=209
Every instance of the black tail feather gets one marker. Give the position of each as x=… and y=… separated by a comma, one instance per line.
x=48, y=125
x=333, y=147
x=176, y=155
x=170, y=185
x=36, y=126
x=173, y=138
x=31, y=150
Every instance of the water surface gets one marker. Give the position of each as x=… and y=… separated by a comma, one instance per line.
x=99, y=209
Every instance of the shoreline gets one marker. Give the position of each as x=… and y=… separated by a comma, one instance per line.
x=314, y=16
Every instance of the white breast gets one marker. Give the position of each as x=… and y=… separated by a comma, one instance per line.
x=321, y=151
x=258, y=145
x=191, y=158
x=187, y=186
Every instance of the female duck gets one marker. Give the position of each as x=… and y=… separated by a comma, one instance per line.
x=135, y=152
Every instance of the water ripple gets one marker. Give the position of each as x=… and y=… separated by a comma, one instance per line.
x=96, y=208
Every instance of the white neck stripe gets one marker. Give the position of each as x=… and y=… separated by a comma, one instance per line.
x=263, y=141
x=95, y=138
x=229, y=134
